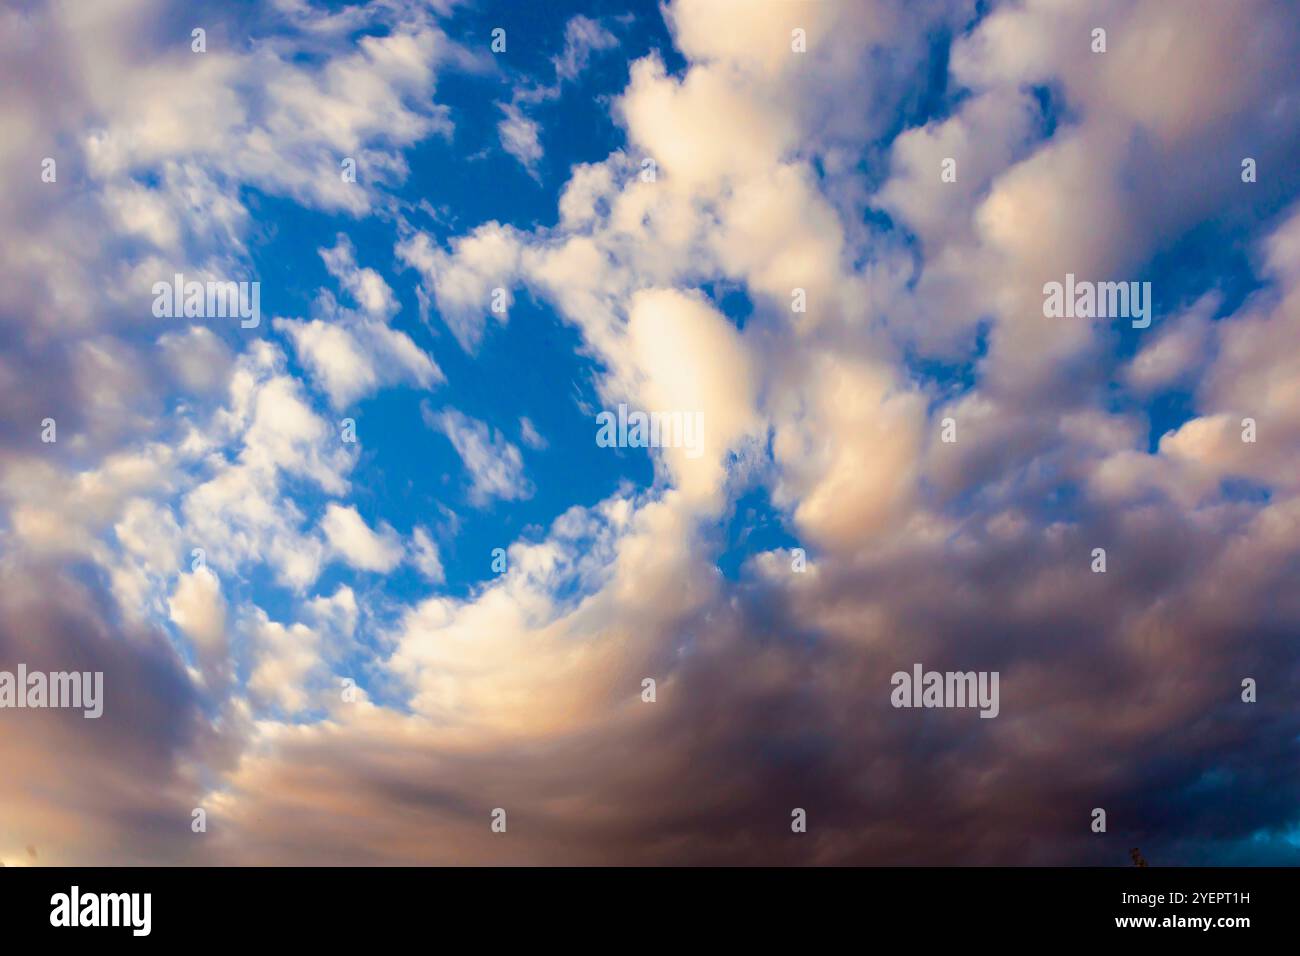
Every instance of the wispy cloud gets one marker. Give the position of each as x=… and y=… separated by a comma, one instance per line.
x=495, y=466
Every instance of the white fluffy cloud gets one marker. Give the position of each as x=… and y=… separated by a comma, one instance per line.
x=199, y=610
x=241, y=514
x=352, y=354
x=352, y=539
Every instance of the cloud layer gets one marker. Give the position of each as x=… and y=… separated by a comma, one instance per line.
x=286, y=648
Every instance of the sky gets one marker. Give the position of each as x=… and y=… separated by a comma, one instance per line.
x=366, y=587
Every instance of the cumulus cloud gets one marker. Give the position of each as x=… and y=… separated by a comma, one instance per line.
x=199, y=610
x=854, y=462
x=200, y=361
x=862, y=272
x=241, y=514
x=288, y=664
x=352, y=539
x=1171, y=358
x=351, y=354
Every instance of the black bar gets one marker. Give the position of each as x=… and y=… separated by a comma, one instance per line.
x=614, y=907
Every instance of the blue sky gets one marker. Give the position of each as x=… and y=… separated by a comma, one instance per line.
x=406, y=472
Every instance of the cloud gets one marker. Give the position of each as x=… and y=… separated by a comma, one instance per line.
x=123, y=783
x=529, y=434
x=353, y=354
x=464, y=283
x=199, y=610
x=583, y=36
x=684, y=356
x=519, y=133
x=519, y=136
x=351, y=539
x=424, y=555
x=510, y=672
x=199, y=360
x=288, y=664
x=1172, y=357
x=496, y=467
x=524, y=689
x=241, y=514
